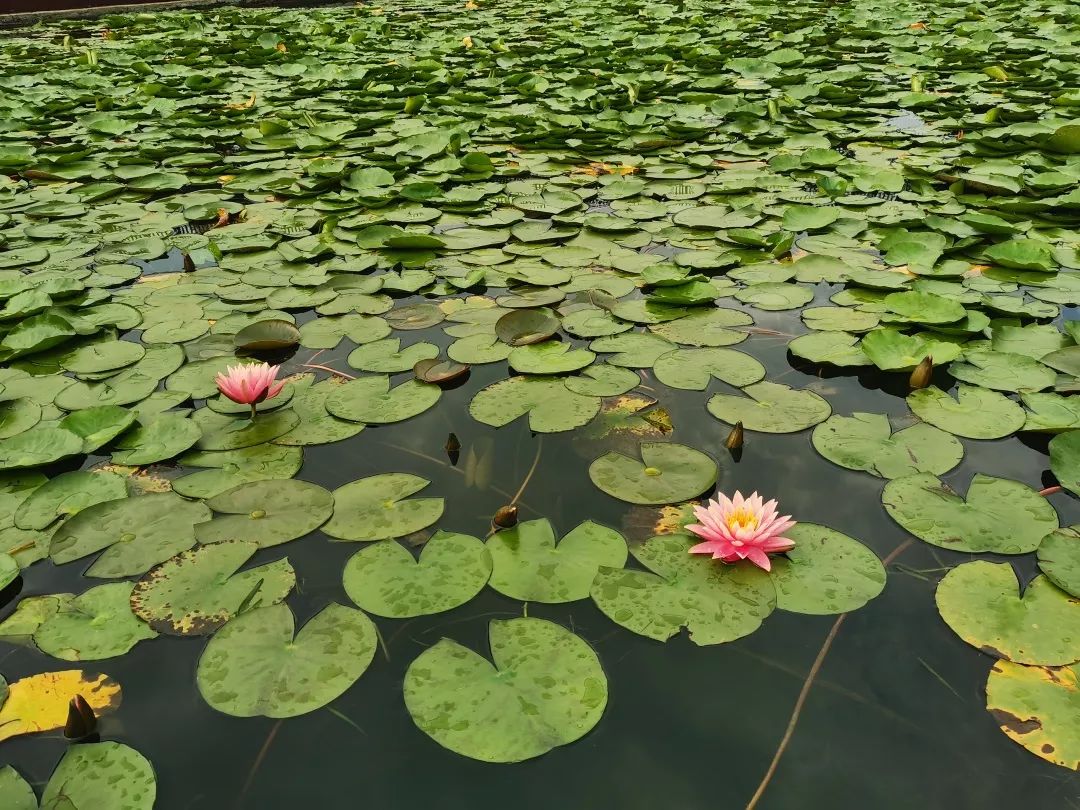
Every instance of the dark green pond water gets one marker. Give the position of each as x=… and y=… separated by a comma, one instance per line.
x=896, y=717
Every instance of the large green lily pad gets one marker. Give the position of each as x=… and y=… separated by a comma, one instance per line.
x=546, y=688
x=771, y=408
x=101, y=775
x=714, y=601
x=379, y=508
x=528, y=565
x=371, y=400
x=96, y=624
x=66, y=495
x=998, y=515
x=976, y=413
x=981, y=602
x=826, y=572
x=865, y=441
x=254, y=666
x=266, y=513
x=693, y=369
x=385, y=578
x=551, y=406
x=668, y=473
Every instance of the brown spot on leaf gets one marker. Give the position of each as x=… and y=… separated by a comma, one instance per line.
x=1010, y=722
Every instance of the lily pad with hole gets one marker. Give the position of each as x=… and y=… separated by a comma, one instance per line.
x=693, y=369
x=771, y=408
x=528, y=565
x=976, y=413
x=668, y=473
x=826, y=572
x=371, y=400
x=66, y=495
x=379, y=507
x=543, y=688
x=998, y=515
x=134, y=533
x=865, y=441
x=197, y=591
x=982, y=603
x=254, y=666
x=266, y=513
x=716, y=603
x=550, y=405
x=385, y=579
x=96, y=624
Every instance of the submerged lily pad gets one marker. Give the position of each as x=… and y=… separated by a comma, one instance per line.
x=266, y=513
x=668, y=473
x=385, y=578
x=379, y=508
x=865, y=441
x=528, y=565
x=715, y=602
x=197, y=591
x=546, y=688
x=981, y=602
x=998, y=515
x=254, y=666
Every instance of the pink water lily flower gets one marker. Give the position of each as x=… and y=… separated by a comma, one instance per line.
x=250, y=384
x=741, y=529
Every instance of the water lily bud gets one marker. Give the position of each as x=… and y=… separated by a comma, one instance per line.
x=920, y=377
x=735, y=439
x=81, y=720
x=506, y=517
x=453, y=445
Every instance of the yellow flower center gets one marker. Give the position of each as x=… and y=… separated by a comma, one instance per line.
x=742, y=519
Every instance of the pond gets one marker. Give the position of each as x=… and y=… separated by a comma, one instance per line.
x=541, y=281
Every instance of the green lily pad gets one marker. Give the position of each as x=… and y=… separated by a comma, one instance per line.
x=1065, y=460
x=546, y=688
x=98, y=426
x=221, y=431
x=15, y=792
x=694, y=369
x=1023, y=254
x=603, y=380
x=385, y=578
x=1051, y=413
x=771, y=408
x=551, y=406
x=1059, y=559
x=94, y=625
x=17, y=416
x=714, y=601
x=529, y=566
x=920, y=307
x=108, y=355
x=826, y=572
x=839, y=319
x=668, y=473
x=379, y=508
x=156, y=439
x=633, y=349
x=9, y=570
x=798, y=218
x=891, y=350
x=1002, y=516
x=254, y=666
x=316, y=425
x=835, y=348
x=371, y=400
x=37, y=446
x=708, y=327
x=197, y=591
x=387, y=356
x=135, y=533
x=976, y=413
x=982, y=604
x=266, y=513
x=549, y=357
x=526, y=326
x=865, y=441
x=104, y=774
x=1002, y=371
x=269, y=335
x=66, y=495
x=775, y=296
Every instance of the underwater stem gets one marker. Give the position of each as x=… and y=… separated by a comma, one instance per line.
x=258, y=762
x=807, y=684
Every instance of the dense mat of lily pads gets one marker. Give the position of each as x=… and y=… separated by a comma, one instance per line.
x=592, y=197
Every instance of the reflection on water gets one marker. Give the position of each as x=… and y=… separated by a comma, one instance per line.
x=896, y=718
